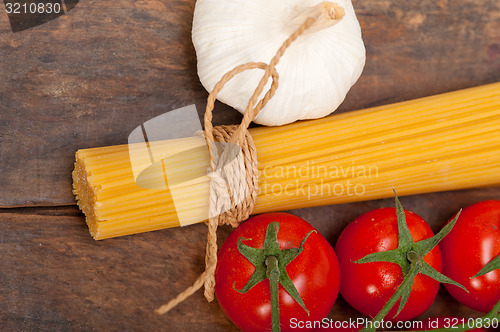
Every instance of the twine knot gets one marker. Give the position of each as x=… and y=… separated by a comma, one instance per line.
x=233, y=190
x=233, y=165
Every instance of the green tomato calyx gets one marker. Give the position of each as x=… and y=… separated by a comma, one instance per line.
x=270, y=263
x=409, y=256
x=493, y=265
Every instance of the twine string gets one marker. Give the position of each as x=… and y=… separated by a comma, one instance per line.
x=233, y=168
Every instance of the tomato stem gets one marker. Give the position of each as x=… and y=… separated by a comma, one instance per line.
x=270, y=263
x=409, y=256
x=412, y=256
x=273, y=274
x=415, y=268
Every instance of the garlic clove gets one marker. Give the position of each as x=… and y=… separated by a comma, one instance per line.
x=316, y=72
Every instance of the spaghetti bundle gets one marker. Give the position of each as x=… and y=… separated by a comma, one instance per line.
x=443, y=142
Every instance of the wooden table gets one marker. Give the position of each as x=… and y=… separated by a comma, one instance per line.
x=92, y=75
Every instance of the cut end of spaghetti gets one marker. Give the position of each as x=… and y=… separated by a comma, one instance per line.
x=85, y=194
x=114, y=205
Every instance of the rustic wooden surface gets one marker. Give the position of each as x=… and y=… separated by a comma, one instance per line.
x=54, y=277
x=91, y=76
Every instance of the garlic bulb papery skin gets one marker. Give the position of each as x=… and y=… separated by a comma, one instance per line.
x=315, y=73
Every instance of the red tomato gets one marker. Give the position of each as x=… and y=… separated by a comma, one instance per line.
x=367, y=287
x=445, y=322
x=472, y=243
x=314, y=272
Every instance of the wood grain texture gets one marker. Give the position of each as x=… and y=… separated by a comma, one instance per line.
x=91, y=76
x=88, y=79
x=54, y=277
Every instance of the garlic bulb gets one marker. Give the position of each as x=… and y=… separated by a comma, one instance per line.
x=316, y=72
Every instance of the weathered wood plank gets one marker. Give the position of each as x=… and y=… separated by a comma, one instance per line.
x=54, y=277
x=87, y=79
x=91, y=76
